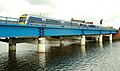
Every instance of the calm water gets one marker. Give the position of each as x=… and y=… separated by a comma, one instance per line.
x=92, y=57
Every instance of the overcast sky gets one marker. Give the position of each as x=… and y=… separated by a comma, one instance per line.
x=89, y=10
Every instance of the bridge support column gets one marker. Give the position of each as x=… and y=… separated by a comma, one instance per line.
x=41, y=45
x=61, y=41
x=110, y=37
x=12, y=44
x=83, y=40
x=96, y=38
x=100, y=38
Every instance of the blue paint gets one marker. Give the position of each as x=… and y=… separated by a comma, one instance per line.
x=17, y=30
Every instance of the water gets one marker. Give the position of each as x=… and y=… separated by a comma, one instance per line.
x=92, y=57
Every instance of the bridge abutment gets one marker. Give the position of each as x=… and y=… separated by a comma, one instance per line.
x=41, y=45
x=83, y=40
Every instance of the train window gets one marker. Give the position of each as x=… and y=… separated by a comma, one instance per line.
x=22, y=19
x=83, y=25
x=75, y=24
x=50, y=21
x=34, y=20
x=91, y=25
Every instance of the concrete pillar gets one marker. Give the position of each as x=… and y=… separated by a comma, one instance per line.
x=61, y=41
x=96, y=38
x=12, y=44
x=110, y=37
x=100, y=38
x=83, y=40
x=41, y=45
x=12, y=47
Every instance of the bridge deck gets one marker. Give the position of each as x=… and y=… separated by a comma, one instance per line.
x=16, y=30
x=11, y=28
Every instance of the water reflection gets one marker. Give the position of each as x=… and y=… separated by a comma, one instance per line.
x=42, y=61
x=101, y=45
x=92, y=57
x=12, y=62
x=83, y=51
x=110, y=43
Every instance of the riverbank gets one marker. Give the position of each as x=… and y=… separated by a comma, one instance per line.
x=116, y=37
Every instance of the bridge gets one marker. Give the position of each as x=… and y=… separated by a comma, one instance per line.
x=16, y=33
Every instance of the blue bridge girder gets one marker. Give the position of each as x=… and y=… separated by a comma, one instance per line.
x=16, y=30
x=61, y=31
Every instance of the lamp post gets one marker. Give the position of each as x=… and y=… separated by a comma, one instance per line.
x=101, y=21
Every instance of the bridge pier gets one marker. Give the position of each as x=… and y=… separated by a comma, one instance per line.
x=100, y=38
x=12, y=44
x=61, y=41
x=41, y=45
x=96, y=38
x=83, y=40
x=39, y=41
x=110, y=37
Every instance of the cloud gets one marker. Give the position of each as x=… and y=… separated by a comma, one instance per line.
x=14, y=8
x=89, y=10
x=115, y=23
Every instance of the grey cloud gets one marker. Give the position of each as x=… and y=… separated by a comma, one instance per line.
x=49, y=3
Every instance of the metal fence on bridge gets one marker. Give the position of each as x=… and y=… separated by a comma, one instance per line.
x=9, y=20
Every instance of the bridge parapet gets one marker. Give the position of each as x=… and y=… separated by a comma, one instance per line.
x=8, y=20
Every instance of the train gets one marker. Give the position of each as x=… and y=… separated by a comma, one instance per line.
x=27, y=19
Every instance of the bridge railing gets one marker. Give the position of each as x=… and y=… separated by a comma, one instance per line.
x=8, y=20
x=66, y=25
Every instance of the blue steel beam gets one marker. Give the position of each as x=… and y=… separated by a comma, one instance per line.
x=16, y=30
x=114, y=32
x=89, y=32
x=61, y=31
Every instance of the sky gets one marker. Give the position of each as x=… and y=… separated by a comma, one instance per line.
x=89, y=10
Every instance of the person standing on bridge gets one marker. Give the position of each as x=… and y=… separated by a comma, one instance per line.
x=101, y=21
